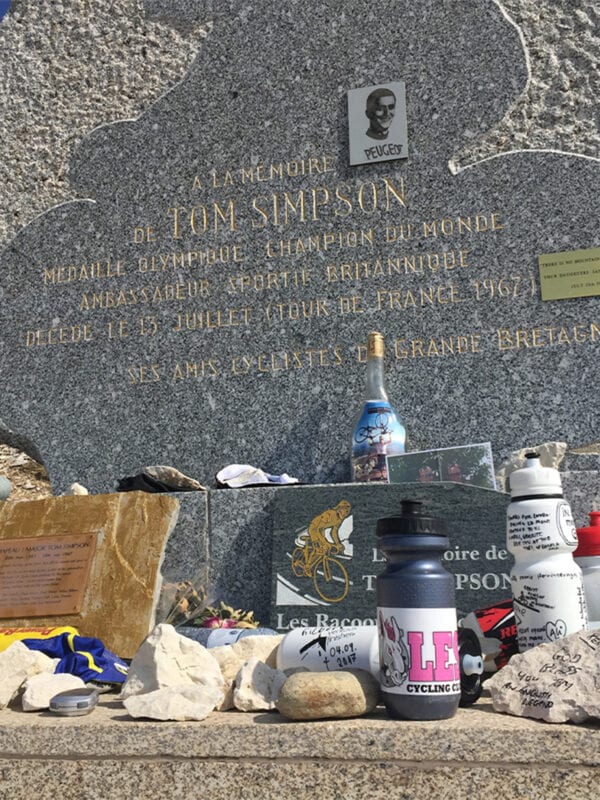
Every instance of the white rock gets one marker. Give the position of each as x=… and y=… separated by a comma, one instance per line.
x=187, y=702
x=77, y=489
x=551, y=455
x=558, y=682
x=230, y=665
x=17, y=663
x=262, y=647
x=257, y=686
x=41, y=688
x=168, y=659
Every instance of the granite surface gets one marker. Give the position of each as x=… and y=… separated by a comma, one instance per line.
x=477, y=557
x=263, y=756
x=147, y=46
x=205, y=303
x=186, y=550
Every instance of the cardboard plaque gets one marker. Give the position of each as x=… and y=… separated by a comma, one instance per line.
x=44, y=575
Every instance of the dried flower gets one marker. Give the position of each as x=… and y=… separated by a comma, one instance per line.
x=224, y=616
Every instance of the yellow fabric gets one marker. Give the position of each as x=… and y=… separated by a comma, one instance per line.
x=10, y=635
x=91, y=663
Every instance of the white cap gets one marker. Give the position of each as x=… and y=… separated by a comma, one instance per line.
x=534, y=479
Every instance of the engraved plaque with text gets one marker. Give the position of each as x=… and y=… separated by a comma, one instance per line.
x=44, y=575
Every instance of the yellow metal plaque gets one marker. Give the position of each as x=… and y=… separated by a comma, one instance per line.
x=575, y=273
x=44, y=575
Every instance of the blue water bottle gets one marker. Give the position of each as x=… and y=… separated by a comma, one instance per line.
x=416, y=618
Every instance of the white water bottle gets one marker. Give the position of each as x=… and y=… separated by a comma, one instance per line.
x=547, y=584
x=330, y=649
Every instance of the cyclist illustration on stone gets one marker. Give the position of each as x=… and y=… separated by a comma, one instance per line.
x=315, y=558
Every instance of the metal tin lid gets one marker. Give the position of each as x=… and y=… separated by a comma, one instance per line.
x=589, y=538
x=411, y=521
x=534, y=479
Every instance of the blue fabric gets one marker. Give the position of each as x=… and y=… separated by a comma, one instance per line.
x=83, y=656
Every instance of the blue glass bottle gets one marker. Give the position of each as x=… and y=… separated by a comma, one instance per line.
x=379, y=433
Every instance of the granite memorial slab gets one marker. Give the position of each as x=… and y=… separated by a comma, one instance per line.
x=207, y=299
x=326, y=560
x=92, y=562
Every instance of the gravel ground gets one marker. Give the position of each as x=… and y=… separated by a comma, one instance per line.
x=29, y=479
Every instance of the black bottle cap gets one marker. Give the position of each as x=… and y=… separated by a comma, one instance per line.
x=411, y=521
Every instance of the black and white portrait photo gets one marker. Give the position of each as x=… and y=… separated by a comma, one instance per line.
x=377, y=123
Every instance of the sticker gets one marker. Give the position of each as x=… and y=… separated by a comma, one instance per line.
x=418, y=651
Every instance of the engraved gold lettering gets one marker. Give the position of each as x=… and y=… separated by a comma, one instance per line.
x=118, y=330
x=393, y=193
x=203, y=218
x=339, y=240
x=143, y=233
x=350, y=305
x=146, y=373
x=266, y=281
x=403, y=232
x=546, y=336
x=297, y=310
x=195, y=369
x=168, y=292
x=264, y=217
x=314, y=165
x=437, y=347
x=323, y=193
x=281, y=361
x=65, y=334
x=84, y=272
x=347, y=205
x=367, y=197
x=209, y=319
x=451, y=226
x=401, y=299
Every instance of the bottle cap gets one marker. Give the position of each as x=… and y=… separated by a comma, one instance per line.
x=411, y=521
x=534, y=479
x=375, y=345
x=589, y=538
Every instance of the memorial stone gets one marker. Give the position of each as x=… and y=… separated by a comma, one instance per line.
x=325, y=577
x=89, y=562
x=206, y=299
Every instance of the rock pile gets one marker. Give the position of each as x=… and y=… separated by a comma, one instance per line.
x=172, y=677
x=17, y=664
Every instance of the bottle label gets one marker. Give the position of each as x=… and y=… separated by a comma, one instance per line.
x=329, y=649
x=566, y=526
x=548, y=605
x=378, y=434
x=418, y=651
x=540, y=526
x=220, y=636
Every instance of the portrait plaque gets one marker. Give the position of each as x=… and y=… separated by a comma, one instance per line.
x=377, y=123
x=44, y=575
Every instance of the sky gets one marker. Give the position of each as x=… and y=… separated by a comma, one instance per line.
x=4, y=4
